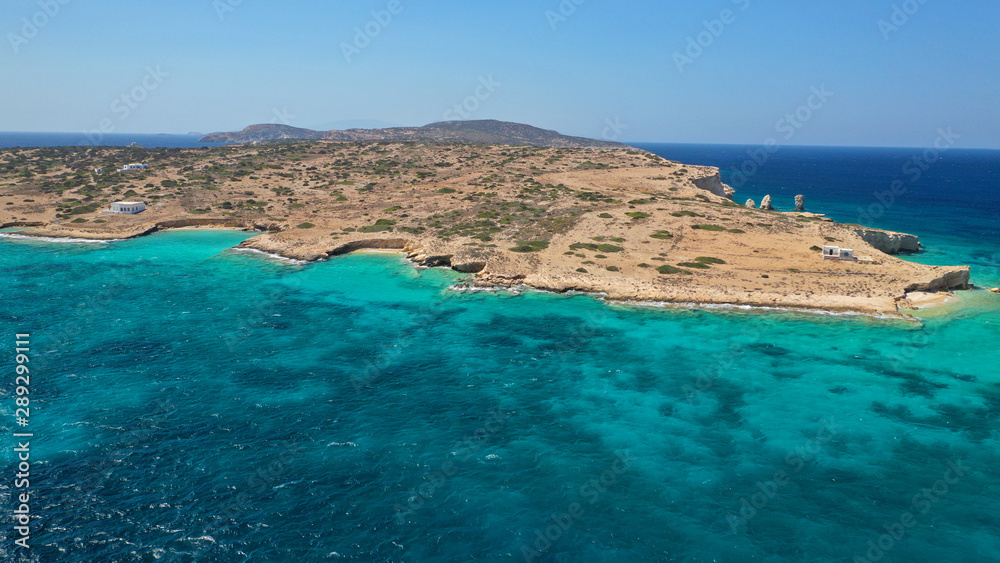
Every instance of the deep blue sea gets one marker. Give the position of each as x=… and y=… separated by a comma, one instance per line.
x=16, y=139
x=193, y=403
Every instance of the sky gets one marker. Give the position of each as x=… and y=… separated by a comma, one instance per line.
x=850, y=72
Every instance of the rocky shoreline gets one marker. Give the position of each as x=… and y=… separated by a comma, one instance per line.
x=626, y=225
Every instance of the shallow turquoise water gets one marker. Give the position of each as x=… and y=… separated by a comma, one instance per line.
x=195, y=403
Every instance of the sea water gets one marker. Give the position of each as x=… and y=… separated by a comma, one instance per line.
x=192, y=403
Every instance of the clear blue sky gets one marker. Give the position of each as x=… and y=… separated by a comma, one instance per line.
x=267, y=61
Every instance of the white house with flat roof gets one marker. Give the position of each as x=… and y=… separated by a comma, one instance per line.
x=837, y=253
x=128, y=207
x=134, y=166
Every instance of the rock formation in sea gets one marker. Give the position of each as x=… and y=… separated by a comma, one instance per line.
x=751, y=204
x=800, y=203
x=765, y=204
x=889, y=242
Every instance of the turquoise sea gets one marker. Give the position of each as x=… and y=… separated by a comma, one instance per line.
x=193, y=403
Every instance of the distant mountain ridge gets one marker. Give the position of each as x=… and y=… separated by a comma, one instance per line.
x=491, y=132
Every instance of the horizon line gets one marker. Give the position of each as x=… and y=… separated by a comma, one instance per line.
x=700, y=143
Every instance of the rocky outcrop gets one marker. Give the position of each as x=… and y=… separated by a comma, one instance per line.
x=889, y=242
x=765, y=204
x=371, y=244
x=950, y=279
x=21, y=224
x=751, y=204
x=713, y=183
x=800, y=203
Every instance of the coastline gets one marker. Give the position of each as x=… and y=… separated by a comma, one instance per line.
x=631, y=227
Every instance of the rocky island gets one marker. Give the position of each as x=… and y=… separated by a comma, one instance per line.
x=553, y=213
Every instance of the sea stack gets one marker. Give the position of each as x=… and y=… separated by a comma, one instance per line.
x=765, y=204
x=800, y=203
x=751, y=204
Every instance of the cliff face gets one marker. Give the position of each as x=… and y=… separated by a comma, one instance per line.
x=714, y=184
x=888, y=241
x=950, y=278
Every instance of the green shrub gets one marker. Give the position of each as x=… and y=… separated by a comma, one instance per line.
x=815, y=248
x=595, y=247
x=606, y=216
x=375, y=229
x=708, y=227
x=638, y=215
x=599, y=256
x=736, y=231
x=79, y=220
x=696, y=265
x=304, y=226
x=765, y=276
x=662, y=235
x=612, y=268
x=686, y=214
x=668, y=269
x=447, y=191
x=709, y=260
x=645, y=265
x=582, y=270
x=617, y=239
x=530, y=246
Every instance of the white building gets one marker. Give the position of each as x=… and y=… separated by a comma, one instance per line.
x=134, y=166
x=128, y=207
x=837, y=253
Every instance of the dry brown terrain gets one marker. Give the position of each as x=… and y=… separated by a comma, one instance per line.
x=625, y=223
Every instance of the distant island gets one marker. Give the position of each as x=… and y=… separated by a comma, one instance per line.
x=486, y=132
x=538, y=210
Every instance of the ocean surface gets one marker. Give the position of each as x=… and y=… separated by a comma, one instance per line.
x=17, y=139
x=194, y=403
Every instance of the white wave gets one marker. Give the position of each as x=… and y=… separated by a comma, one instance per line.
x=277, y=257
x=67, y=240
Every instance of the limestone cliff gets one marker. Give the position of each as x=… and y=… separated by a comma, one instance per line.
x=950, y=278
x=889, y=242
x=713, y=183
